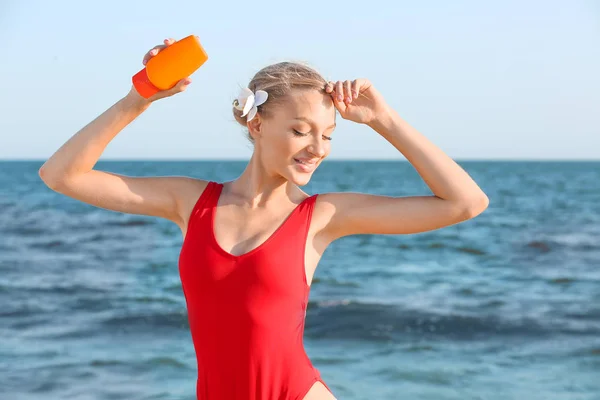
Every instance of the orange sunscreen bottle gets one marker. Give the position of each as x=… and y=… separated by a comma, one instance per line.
x=169, y=66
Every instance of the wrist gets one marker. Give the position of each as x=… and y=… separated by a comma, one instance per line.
x=383, y=121
x=134, y=101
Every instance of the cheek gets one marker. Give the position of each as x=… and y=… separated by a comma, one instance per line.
x=280, y=146
x=290, y=147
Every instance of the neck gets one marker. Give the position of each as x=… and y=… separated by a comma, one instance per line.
x=256, y=186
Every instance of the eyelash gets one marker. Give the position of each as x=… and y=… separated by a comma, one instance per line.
x=304, y=134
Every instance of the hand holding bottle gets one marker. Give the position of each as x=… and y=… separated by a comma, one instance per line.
x=167, y=69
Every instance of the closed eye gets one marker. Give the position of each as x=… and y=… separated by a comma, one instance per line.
x=299, y=133
x=296, y=133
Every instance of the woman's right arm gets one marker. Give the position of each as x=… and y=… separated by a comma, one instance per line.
x=70, y=169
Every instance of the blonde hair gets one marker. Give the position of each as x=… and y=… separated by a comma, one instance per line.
x=279, y=80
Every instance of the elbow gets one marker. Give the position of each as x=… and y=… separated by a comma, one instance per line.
x=474, y=207
x=51, y=181
x=43, y=176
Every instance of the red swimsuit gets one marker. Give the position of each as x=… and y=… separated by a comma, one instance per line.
x=247, y=312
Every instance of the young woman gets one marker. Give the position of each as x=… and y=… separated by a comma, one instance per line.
x=251, y=245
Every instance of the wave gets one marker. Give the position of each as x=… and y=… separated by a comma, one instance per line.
x=144, y=322
x=382, y=322
x=129, y=222
x=574, y=242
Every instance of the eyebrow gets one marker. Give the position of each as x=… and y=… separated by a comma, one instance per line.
x=308, y=121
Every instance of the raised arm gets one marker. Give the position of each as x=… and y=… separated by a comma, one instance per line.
x=70, y=169
x=456, y=197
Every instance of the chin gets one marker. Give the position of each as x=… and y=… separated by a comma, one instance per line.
x=300, y=175
x=299, y=178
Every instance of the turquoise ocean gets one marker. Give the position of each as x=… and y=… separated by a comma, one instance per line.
x=503, y=306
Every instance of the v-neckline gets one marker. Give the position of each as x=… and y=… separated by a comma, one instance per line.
x=213, y=211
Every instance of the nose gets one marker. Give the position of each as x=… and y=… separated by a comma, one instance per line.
x=318, y=148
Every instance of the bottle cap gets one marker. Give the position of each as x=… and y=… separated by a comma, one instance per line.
x=143, y=85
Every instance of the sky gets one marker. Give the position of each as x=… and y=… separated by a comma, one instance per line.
x=508, y=80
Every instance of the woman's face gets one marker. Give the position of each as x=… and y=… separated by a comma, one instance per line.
x=295, y=138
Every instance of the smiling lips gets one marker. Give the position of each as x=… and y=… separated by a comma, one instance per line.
x=306, y=164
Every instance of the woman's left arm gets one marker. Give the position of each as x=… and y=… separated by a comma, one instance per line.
x=456, y=197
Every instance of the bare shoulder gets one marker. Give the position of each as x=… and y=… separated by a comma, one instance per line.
x=341, y=214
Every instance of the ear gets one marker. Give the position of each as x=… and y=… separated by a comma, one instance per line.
x=255, y=126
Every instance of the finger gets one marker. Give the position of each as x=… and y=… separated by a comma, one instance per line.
x=329, y=87
x=347, y=91
x=355, y=89
x=339, y=105
x=362, y=84
x=169, y=41
x=181, y=85
x=154, y=51
x=339, y=91
x=337, y=98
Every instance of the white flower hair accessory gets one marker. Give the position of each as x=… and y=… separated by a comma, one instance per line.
x=247, y=102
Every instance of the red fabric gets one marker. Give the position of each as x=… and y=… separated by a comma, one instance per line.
x=247, y=312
